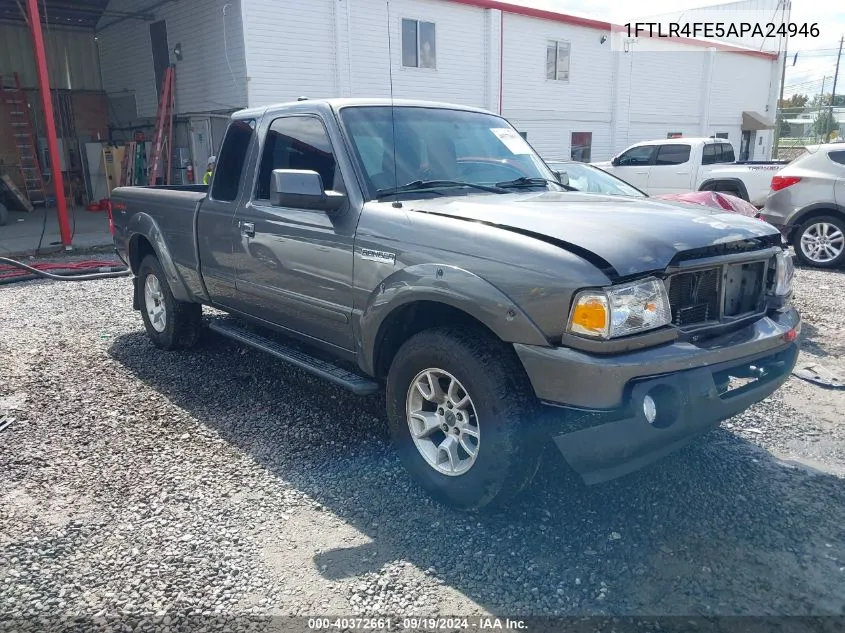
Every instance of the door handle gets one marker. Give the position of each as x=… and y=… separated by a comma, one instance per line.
x=247, y=229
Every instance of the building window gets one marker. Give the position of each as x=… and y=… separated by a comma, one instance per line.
x=557, y=60
x=582, y=143
x=722, y=135
x=674, y=135
x=418, y=44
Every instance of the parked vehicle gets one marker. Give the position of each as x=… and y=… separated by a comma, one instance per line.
x=807, y=202
x=588, y=178
x=692, y=164
x=715, y=200
x=489, y=310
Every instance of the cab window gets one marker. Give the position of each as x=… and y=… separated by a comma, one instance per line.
x=673, y=154
x=641, y=155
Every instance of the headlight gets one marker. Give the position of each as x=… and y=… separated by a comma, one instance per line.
x=620, y=310
x=784, y=272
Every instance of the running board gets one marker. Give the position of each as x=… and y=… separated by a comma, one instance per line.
x=357, y=384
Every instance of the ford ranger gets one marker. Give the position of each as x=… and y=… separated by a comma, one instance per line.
x=425, y=249
x=679, y=165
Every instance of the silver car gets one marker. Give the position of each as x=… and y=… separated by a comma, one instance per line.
x=807, y=203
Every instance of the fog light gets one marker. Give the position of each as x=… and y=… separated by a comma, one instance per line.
x=649, y=409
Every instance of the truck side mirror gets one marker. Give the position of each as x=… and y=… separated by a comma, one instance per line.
x=615, y=161
x=303, y=189
x=562, y=177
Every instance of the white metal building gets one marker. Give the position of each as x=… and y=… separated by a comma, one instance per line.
x=553, y=75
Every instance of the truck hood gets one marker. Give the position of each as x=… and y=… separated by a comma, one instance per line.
x=622, y=236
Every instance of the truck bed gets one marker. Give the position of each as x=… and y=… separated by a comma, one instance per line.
x=173, y=209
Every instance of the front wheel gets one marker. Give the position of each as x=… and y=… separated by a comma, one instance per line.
x=820, y=242
x=170, y=323
x=463, y=417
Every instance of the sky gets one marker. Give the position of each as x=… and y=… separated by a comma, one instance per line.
x=816, y=56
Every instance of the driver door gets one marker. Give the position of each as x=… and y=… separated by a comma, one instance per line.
x=634, y=166
x=294, y=265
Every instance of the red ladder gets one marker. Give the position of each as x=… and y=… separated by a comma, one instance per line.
x=21, y=131
x=163, y=140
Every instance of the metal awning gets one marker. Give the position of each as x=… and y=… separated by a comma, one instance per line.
x=756, y=121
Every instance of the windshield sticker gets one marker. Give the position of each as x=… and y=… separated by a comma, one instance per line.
x=513, y=141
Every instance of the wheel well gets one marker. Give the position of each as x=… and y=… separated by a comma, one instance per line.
x=139, y=248
x=726, y=186
x=412, y=318
x=818, y=213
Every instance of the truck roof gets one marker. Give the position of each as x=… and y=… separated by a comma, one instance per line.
x=341, y=102
x=684, y=140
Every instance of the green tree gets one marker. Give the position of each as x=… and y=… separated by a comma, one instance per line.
x=824, y=123
x=794, y=102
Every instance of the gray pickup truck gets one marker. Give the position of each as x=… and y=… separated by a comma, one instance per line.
x=426, y=249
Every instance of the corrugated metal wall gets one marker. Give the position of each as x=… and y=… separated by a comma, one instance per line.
x=72, y=57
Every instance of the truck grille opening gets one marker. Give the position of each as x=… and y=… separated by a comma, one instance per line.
x=694, y=297
x=713, y=294
x=744, y=288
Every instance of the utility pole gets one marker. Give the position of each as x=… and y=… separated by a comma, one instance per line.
x=821, y=104
x=833, y=92
x=786, y=4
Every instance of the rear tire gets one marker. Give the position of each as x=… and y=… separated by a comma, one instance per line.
x=820, y=242
x=499, y=417
x=170, y=323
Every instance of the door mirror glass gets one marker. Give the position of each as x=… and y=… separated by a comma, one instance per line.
x=302, y=188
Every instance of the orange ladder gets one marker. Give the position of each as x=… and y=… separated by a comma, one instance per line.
x=20, y=123
x=163, y=140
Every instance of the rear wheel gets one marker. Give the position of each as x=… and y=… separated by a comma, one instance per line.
x=463, y=417
x=820, y=242
x=170, y=323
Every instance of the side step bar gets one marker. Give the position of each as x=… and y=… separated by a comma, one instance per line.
x=357, y=384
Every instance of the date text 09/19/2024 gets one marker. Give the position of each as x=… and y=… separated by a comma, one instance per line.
x=720, y=29
x=415, y=624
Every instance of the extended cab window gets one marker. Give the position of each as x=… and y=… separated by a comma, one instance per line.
x=673, y=154
x=230, y=165
x=709, y=156
x=297, y=142
x=637, y=156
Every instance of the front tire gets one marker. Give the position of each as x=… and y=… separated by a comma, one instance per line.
x=820, y=242
x=463, y=417
x=170, y=323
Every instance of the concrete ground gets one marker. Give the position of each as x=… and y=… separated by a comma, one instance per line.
x=20, y=235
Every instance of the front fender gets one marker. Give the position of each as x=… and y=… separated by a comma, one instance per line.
x=451, y=286
x=143, y=225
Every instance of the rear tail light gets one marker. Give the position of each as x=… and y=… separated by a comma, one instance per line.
x=782, y=182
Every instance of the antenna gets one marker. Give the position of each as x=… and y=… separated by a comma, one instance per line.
x=396, y=203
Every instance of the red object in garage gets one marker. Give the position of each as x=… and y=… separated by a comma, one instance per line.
x=716, y=200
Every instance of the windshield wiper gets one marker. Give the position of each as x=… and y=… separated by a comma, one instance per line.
x=422, y=185
x=525, y=181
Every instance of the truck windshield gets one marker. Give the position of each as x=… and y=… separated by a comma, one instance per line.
x=419, y=145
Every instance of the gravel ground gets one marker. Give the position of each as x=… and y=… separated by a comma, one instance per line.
x=217, y=484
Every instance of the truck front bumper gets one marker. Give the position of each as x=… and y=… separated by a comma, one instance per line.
x=663, y=396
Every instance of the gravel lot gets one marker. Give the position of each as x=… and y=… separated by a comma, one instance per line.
x=217, y=483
